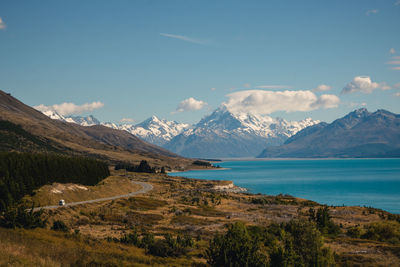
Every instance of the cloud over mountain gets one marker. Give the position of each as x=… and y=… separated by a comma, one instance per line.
x=363, y=84
x=66, y=109
x=266, y=102
x=190, y=104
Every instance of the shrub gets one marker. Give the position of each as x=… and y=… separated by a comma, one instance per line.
x=324, y=221
x=383, y=231
x=235, y=248
x=59, y=226
x=21, y=217
x=297, y=243
x=354, y=232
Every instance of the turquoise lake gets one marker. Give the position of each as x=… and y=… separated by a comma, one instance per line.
x=350, y=182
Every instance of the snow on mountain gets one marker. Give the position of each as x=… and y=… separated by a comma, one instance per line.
x=84, y=121
x=226, y=134
x=157, y=131
x=221, y=134
x=359, y=134
x=53, y=115
x=153, y=130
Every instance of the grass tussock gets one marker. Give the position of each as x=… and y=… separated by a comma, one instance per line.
x=49, y=248
x=144, y=203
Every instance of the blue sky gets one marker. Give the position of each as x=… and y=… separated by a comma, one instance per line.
x=142, y=58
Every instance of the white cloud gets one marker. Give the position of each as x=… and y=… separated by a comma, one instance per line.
x=396, y=68
x=190, y=104
x=213, y=89
x=66, y=109
x=363, y=84
x=2, y=24
x=185, y=38
x=274, y=87
x=371, y=11
x=266, y=102
x=127, y=120
x=397, y=3
x=397, y=94
x=392, y=51
x=397, y=85
x=322, y=88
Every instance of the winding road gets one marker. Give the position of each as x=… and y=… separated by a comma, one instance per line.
x=146, y=187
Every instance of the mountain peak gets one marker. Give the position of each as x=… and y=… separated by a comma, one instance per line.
x=154, y=118
x=84, y=121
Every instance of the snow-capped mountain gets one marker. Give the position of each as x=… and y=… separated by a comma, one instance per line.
x=221, y=134
x=54, y=115
x=158, y=131
x=84, y=121
x=153, y=130
x=359, y=134
x=225, y=134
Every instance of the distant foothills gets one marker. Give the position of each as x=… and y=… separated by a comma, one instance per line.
x=224, y=134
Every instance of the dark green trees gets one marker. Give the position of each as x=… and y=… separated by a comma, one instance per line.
x=20, y=217
x=144, y=166
x=296, y=243
x=323, y=220
x=235, y=248
x=21, y=173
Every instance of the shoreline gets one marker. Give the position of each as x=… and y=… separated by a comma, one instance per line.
x=207, y=169
x=240, y=189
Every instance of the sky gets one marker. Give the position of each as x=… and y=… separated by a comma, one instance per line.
x=124, y=61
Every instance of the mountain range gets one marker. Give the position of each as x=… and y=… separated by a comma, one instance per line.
x=358, y=134
x=222, y=134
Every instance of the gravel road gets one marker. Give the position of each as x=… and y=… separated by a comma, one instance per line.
x=146, y=187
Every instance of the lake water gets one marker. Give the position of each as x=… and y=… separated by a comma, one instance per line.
x=352, y=182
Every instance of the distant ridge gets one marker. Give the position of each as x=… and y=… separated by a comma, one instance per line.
x=359, y=134
x=104, y=142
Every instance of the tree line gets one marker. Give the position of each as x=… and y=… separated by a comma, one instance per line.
x=21, y=173
x=144, y=166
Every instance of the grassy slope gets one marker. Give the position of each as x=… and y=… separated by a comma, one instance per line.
x=43, y=247
x=111, y=186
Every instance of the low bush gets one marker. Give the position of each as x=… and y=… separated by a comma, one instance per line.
x=388, y=231
x=60, y=226
x=22, y=217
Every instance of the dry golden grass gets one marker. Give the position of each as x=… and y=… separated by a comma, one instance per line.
x=43, y=247
x=111, y=186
